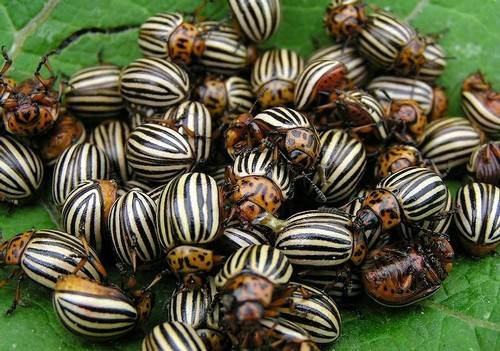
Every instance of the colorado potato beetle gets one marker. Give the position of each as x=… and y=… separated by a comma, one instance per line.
x=21, y=171
x=282, y=334
x=86, y=211
x=158, y=154
x=343, y=162
x=477, y=218
x=257, y=19
x=78, y=163
x=449, y=142
x=236, y=236
x=481, y=103
x=93, y=92
x=397, y=157
x=401, y=274
x=274, y=76
x=45, y=255
x=405, y=120
x=169, y=35
x=484, y=163
x=32, y=106
x=132, y=220
x=344, y=19
x=97, y=312
x=154, y=83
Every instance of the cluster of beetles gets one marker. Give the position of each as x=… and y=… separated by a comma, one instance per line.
x=270, y=188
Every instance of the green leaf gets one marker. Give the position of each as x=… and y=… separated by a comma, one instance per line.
x=463, y=315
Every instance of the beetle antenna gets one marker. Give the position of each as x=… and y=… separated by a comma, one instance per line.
x=317, y=190
x=337, y=211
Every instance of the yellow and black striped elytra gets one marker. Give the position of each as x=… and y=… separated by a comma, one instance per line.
x=78, y=163
x=316, y=238
x=173, y=336
x=434, y=61
x=357, y=70
x=45, y=255
x=97, y=312
x=342, y=283
x=274, y=76
x=21, y=171
x=224, y=52
x=401, y=88
x=319, y=78
x=158, y=154
x=449, y=142
x=111, y=137
x=481, y=104
x=168, y=35
x=261, y=163
x=477, y=218
x=438, y=224
x=289, y=335
x=343, y=162
x=94, y=93
x=132, y=221
x=400, y=274
x=192, y=120
x=86, y=211
x=154, y=83
x=134, y=184
x=484, y=163
x=225, y=98
x=67, y=131
x=257, y=19
x=189, y=211
x=314, y=311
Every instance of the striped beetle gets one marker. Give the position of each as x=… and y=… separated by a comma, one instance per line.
x=93, y=92
x=173, y=336
x=449, y=142
x=257, y=19
x=481, y=103
x=192, y=120
x=131, y=223
x=320, y=77
x=344, y=19
x=67, y=131
x=168, y=35
x=86, y=211
x=30, y=107
x=224, y=51
x=400, y=274
x=319, y=238
x=225, y=98
x=284, y=335
x=77, y=163
x=357, y=70
x=274, y=76
x=252, y=284
x=410, y=195
x=236, y=236
x=21, y=171
x=477, y=218
x=45, y=255
x=343, y=162
x=314, y=311
x=433, y=101
x=288, y=132
x=484, y=163
x=154, y=83
x=190, y=214
x=133, y=184
x=111, y=137
x=256, y=186
x=158, y=154
x=98, y=312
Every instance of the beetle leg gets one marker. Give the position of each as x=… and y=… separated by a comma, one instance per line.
x=17, y=297
x=88, y=258
x=7, y=63
x=47, y=83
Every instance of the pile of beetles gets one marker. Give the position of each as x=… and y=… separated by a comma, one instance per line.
x=270, y=188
